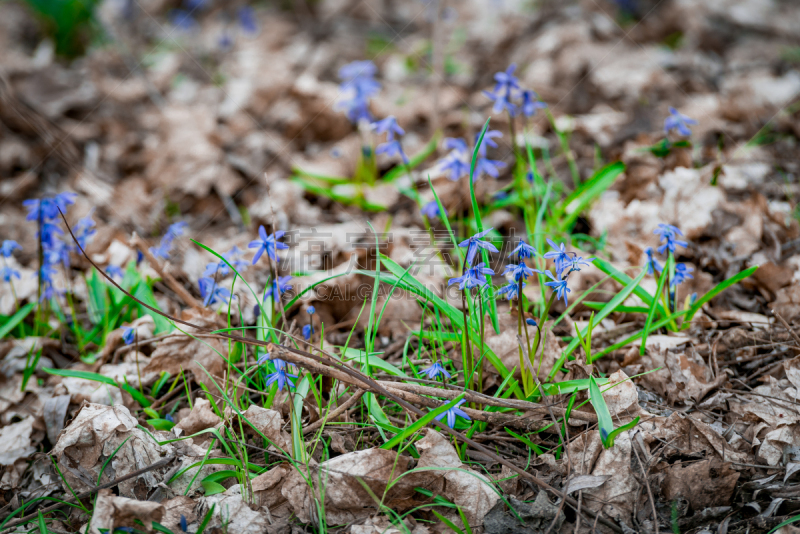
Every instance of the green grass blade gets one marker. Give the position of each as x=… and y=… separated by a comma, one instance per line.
x=604, y=421
x=623, y=279
x=421, y=422
x=651, y=313
x=16, y=319
x=588, y=191
x=719, y=288
x=612, y=304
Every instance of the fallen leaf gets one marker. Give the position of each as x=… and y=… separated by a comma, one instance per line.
x=200, y=418
x=15, y=441
x=112, y=512
x=704, y=484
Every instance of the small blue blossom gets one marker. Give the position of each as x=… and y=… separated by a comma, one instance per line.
x=576, y=261
x=510, y=291
x=475, y=243
x=212, y=292
x=184, y=524
x=182, y=19
x=456, y=164
x=169, y=418
x=488, y=140
x=504, y=91
x=456, y=144
x=176, y=229
x=452, y=413
x=49, y=234
x=281, y=376
x=48, y=207
x=311, y=310
x=435, y=371
x=473, y=277
x=268, y=244
x=8, y=248
x=389, y=127
x=128, y=335
x=489, y=166
x=558, y=285
x=531, y=322
x=247, y=19
x=518, y=271
x=84, y=231
x=668, y=234
x=678, y=121
x=431, y=210
x=359, y=84
x=308, y=331
x=559, y=255
x=221, y=267
x=682, y=272
x=392, y=148
x=277, y=287
x=652, y=264
x=8, y=273
x=523, y=250
x=114, y=271
x=531, y=103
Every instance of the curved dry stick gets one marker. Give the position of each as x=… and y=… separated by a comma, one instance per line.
x=361, y=378
x=335, y=413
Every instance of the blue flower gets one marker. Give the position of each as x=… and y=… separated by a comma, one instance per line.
x=456, y=164
x=559, y=255
x=281, y=376
x=182, y=19
x=84, y=231
x=8, y=248
x=431, y=210
x=389, y=127
x=558, y=285
x=473, y=277
x=268, y=244
x=49, y=234
x=531, y=103
x=489, y=166
x=452, y=413
x=523, y=250
x=308, y=331
x=171, y=419
x=519, y=270
x=176, y=229
x=311, y=310
x=576, y=261
x=475, y=243
x=211, y=292
x=221, y=268
x=531, y=322
x=8, y=273
x=682, y=272
x=652, y=263
x=503, y=92
x=668, y=235
x=456, y=144
x=184, y=524
x=128, y=335
x=247, y=19
x=48, y=206
x=488, y=139
x=277, y=287
x=510, y=291
x=46, y=273
x=434, y=371
x=392, y=148
x=678, y=121
x=359, y=84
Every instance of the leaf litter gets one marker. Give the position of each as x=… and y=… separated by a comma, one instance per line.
x=169, y=406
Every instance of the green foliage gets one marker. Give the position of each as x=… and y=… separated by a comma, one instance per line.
x=70, y=23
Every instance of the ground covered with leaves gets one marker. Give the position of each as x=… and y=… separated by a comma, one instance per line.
x=399, y=266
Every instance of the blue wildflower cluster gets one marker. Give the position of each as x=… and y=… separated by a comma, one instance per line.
x=358, y=85
x=458, y=161
x=281, y=375
x=668, y=236
x=55, y=249
x=508, y=96
x=392, y=146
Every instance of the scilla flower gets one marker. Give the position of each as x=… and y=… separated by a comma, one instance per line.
x=475, y=243
x=678, y=121
x=668, y=235
x=128, y=335
x=434, y=371
x=268, y=244
x=523, y=250
x=8, y=248
x=682, y=272
x=558, y=285
x=519, y=271
x=452, y=413
x=473, y=277
x=281, y=376
x=212, y=292
x=510, y=291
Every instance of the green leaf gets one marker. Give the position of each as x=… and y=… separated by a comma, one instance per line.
x=604, y=421
x=421, y=422
x=206, y=519
x=566, y=387
x=588, y=191
x=16, y=319
x=789, y=521
x=212, y=488
x=161, y=424
x=538, y=450
x=87, y=375
x=623, y=279
x=447, y=522
x=719, y=288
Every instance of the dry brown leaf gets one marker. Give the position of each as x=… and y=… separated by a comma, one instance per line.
x=55, y=410
x=679, y=377
x=112, y=512
x=704, y=484
x=177, y=507
x=200, y=418
x=270, y=424
x=15, y=441
x=234, y=513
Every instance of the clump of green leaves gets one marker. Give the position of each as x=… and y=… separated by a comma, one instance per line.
x=70, y=23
